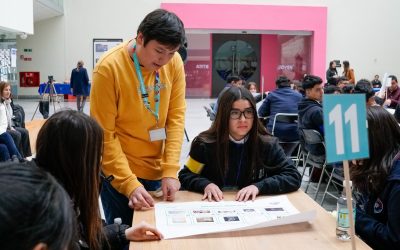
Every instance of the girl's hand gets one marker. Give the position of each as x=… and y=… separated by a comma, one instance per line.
x=143, y=232
x=211, y=192
x=245, y=193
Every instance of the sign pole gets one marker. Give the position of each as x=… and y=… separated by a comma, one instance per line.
x=349, y=203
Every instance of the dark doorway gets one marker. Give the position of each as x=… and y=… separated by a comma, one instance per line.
x=234, y=54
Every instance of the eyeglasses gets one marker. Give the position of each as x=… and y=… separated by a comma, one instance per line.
x=236, y=113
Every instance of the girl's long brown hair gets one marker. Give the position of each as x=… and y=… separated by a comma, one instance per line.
x=69, y=146
x=384, y=144
x=219, y=131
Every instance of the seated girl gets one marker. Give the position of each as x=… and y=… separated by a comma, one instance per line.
x=20, y=135
x=237, y=153
x=69, y=146
x=377, y=181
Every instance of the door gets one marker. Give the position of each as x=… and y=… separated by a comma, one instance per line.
x=234, y=54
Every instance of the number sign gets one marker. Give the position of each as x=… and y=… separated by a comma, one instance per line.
x=345, y=126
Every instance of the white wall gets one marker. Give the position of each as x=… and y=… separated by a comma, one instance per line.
x=17, y=15
x=48, y=54
x=365, y=35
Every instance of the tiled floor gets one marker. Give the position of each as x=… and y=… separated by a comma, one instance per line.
x=196, y=122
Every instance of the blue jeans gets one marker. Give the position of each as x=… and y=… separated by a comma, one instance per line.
x=6, y=139
x=4, y=154
x=115, y=204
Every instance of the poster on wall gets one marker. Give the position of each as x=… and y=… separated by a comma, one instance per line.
x=102, y=45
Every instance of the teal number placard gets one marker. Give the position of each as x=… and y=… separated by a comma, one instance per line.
x=345, y=127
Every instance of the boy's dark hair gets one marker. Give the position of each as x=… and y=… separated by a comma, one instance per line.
x=231, y=79
x=393, y=77
x=364, y=86
x=163, y=26
x=310, y=81
x=330, y=89
x=282, y=82
x=348, y=88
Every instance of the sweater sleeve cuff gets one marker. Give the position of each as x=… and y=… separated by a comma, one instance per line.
x=169, y=170
x=129, y=186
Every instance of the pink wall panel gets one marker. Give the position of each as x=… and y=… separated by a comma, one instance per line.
x=260, y=18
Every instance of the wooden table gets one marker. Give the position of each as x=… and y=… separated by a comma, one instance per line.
x=320, y=234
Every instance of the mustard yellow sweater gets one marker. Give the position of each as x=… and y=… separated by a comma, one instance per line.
x=116, y=103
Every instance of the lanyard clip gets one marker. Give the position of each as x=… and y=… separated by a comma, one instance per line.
x=145, y=95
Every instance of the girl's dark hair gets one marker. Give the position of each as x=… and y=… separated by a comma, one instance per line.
x=163, y=26
x=69, y=146
x=331, y=64
x=219, y=131
x=34, y=209
x=370, y=176
x=248, y=85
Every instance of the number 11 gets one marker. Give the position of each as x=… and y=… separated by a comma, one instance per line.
x=350, y=116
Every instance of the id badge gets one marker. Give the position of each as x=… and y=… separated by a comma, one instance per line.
x=157, y=134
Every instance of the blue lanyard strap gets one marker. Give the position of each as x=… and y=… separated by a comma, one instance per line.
x=143, y=91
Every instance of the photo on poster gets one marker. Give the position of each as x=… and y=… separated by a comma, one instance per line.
x=206, y=219
x=179, y=220
x=231, y=218
x=249, y=210
x=274, y=209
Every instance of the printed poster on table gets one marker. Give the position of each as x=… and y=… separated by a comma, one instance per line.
x=176, y=220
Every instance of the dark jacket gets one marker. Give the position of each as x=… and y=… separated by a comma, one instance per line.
x=378, y=218
x=114, y=233
x=276, y=175
x=80, y=82
x=281, y=100
x=331, y=76
x=311, y=117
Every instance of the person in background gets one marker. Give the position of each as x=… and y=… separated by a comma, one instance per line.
x=20, y=135
x=348, y=72
x=282, y=100
x=138, y=97
x=252, y=87
x=332, y=89
x=230, y=81
x=238, y=153
x=80, y=85
x=331, y=73
x=35, y=211
x=70, y=146
x=310, y=111
x=393, y=94
x=348, y=88
x=377, y=182
x=376, y=83
x=5, y=137
x=364, y=86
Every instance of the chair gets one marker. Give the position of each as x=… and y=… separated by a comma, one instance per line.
x=336, y=177
x=210, y=113
x=313, y=137
x=288, y=146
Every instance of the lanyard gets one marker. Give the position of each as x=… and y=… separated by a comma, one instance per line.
x=143, y=91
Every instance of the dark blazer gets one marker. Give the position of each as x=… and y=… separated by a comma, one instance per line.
x=378, y=217
x=276, y=173
x=80, y=82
